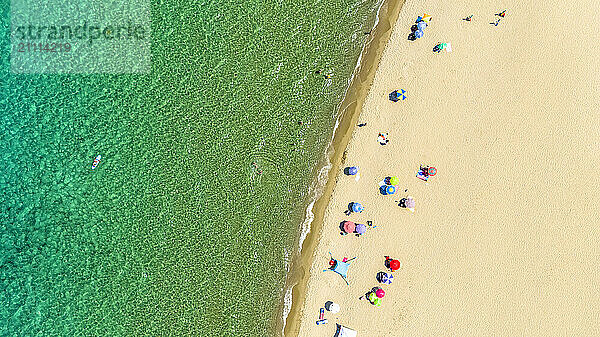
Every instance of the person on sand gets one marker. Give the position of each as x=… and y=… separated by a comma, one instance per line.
x=495, y=23
x=502, y=14
x=468, y=18
x=366, y=295
x=382, y=138
x=361, y=125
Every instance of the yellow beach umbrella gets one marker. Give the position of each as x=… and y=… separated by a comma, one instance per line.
x=427, y=17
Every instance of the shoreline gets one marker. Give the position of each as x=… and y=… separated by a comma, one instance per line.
x=349, y=111
x=487, y=242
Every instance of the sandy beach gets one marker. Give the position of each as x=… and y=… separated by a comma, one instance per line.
x=505, y=237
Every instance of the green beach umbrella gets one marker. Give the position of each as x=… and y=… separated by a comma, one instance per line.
x=394, y=180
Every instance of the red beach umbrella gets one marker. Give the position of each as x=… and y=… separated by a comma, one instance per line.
x=380, y=293
x=394, y=265
x=349, y=226
x=432, y=171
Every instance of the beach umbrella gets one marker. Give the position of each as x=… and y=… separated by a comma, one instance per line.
x=360, y=228
x=390, y=189
x=421, y=25
x=387, y=278
x=377, y=302
x=394, y=180
x=334, y=307
x=431, y=171
x=353, y=170
x=409, y=202
x=357, y=208
x=426, y=18
x=419, y=34
x=380, y=293
x=349, y=226
x=395, y=265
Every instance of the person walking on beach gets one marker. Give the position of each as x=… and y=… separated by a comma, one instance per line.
x=495, y=23
x=502, y=14
x=468, y=18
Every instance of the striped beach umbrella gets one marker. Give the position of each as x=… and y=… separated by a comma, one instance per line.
x=387, y=278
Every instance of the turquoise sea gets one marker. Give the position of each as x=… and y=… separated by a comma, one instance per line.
x=176, y=232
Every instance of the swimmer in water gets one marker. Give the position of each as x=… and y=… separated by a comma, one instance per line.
x=259, y=171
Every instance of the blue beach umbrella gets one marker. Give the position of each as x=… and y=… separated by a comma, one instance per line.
x=357, y=208
x=353, y=170
x=421, y=25
x=419, y=34
x=390, y=189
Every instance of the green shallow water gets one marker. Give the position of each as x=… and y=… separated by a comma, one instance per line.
x=175, y=232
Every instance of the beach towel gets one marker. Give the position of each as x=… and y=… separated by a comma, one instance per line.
x=341, y=267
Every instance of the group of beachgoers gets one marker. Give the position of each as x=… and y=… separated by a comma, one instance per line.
x=388, y=186
x=501, y=15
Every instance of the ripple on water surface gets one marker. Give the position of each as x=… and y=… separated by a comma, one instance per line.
x=176, y=232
